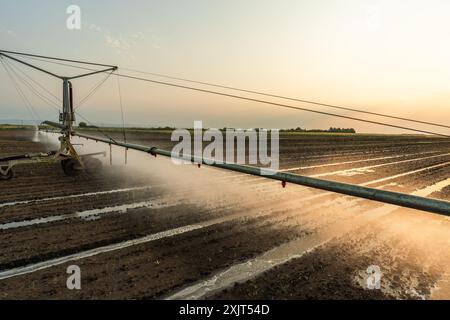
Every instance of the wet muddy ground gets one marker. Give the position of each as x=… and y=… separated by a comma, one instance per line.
x=153, y=230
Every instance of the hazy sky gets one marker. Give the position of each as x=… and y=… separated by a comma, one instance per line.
x=382, y=56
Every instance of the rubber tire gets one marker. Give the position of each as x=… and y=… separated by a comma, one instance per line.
x=92, y=165
x=69, y=167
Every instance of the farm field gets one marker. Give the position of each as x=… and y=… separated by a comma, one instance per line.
x=153, y=230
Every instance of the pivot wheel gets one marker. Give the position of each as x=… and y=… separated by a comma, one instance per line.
x=71, y=167
x=8, y=175
x=92, y=165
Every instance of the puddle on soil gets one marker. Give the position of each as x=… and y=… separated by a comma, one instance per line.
x=89, y=215
x=117, y=246
x=35, y=137
x=90, y=253
x=354, y=161
x=392, y=184
x=355, y=172
x=8, y=204
x=431, y=189
x=342, y=172
x=405, y=174
x=286, y=252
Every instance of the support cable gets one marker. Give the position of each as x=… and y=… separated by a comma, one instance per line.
x=92, y=91
x=277, y=104
x=95, y=127
x=288, y=98
x=286, y=106
x=34, y=90
x=123, y=117
x=21, y=94
x=280, y=97
x=58, y=99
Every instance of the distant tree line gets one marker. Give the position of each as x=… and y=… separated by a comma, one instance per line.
x=298, y=129
x=331, y=130
x=83, y=125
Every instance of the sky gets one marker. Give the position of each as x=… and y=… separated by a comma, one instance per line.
x=379, y=56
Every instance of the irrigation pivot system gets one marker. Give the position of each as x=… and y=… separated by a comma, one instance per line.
x=70, y=160
x=400, y=199
x=73, y=163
